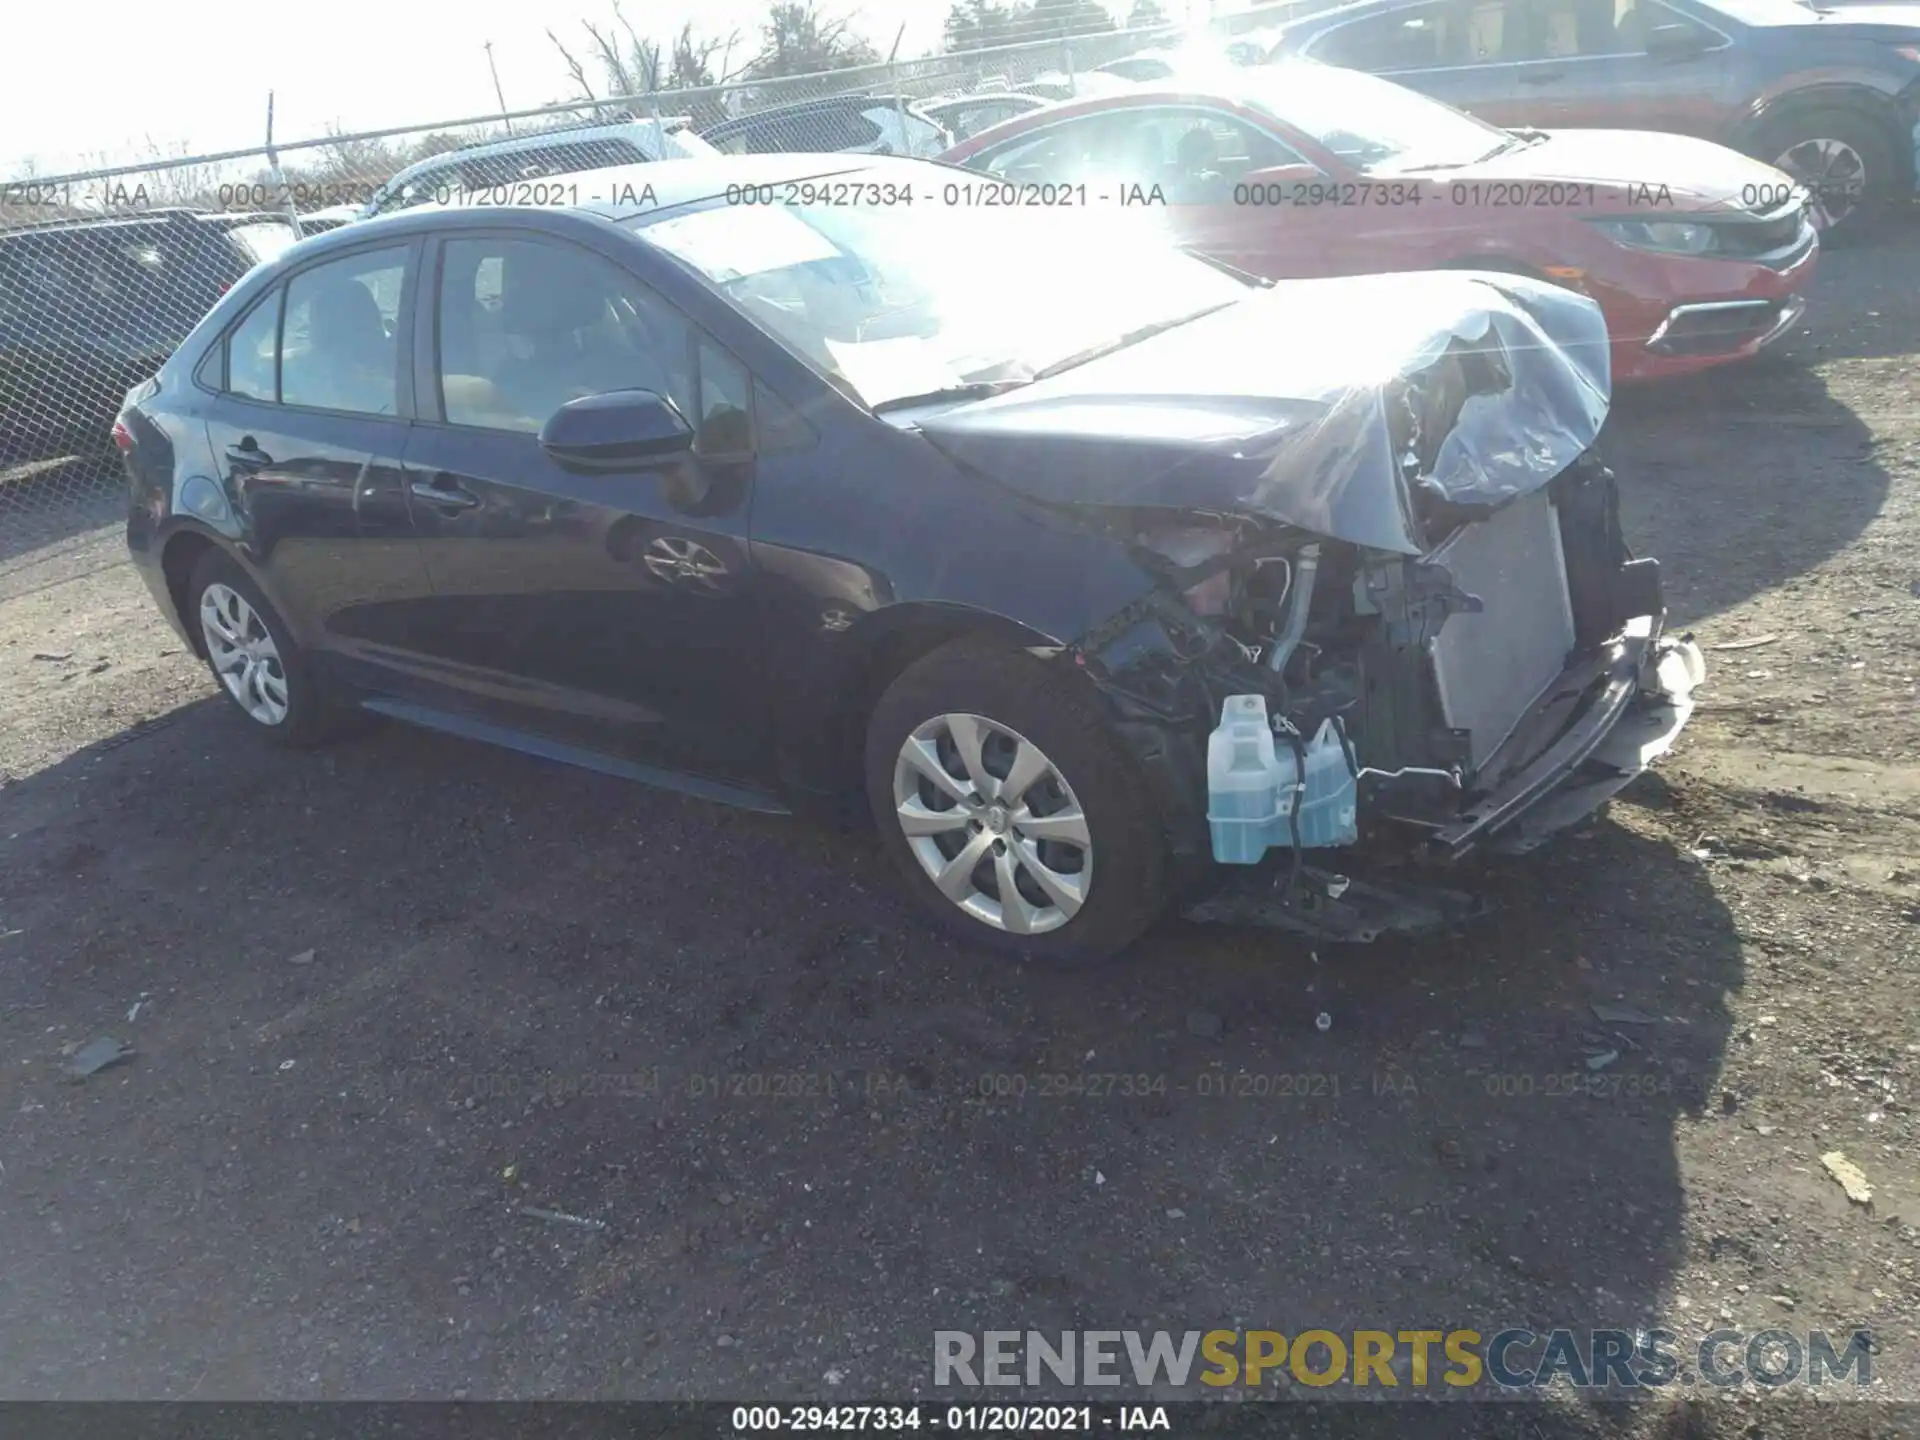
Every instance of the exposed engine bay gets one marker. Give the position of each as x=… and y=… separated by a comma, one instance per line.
x=1442, y=677
x=1396, y=548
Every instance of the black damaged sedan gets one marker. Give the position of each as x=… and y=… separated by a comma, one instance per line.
x=1110, y=580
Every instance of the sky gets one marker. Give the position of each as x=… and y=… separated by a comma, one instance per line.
x=90, y=85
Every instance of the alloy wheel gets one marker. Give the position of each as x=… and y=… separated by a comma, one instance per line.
x=243, y=654
x=993, y=823
x=1833, y=171
x=686, y=563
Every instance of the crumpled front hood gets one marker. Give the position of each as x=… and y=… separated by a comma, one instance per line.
x=1289, y=405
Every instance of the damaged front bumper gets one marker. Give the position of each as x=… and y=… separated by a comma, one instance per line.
x=1611, y=716
x=1627, y=707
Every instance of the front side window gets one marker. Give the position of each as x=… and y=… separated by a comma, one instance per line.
x=1370, y=123
x=1567, y=29
x=1634, y=20
x=526, y=326
x=338, y=349
x=1490, y=34
x=1193, y=157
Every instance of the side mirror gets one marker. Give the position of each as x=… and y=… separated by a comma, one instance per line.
x=615, y=430
x=1675, y=42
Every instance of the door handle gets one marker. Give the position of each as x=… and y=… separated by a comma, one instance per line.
x=1547, y=79
x=248, y=454
x=444, y=495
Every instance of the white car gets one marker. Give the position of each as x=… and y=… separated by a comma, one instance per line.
x=535, y=157
x=1058, y=85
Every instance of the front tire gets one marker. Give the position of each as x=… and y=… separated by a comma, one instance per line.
x=261, y=671
x=1016, y=817
x=1847, y=160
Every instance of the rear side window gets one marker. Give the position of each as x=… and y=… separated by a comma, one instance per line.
x=252, y=350
x=338, y=349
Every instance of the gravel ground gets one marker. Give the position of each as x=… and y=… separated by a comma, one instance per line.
x=384, y=997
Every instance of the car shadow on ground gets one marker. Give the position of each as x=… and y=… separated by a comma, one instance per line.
x=48, y=501
x=1860, y=304
x=1739, y=479
x=393, y=993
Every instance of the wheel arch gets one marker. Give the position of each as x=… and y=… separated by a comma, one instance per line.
x=878, y=649
x=1871, y=104
x=181, y=551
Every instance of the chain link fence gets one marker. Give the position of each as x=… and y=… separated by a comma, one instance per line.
x=104, y=272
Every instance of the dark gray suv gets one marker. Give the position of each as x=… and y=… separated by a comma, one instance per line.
x=1832, y=96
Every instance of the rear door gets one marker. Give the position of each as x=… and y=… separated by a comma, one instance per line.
x=1464, y=52
x=309, y=425
x=607, y=610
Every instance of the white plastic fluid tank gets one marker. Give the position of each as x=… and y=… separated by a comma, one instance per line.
x=1252, y=781
x=1243, y=780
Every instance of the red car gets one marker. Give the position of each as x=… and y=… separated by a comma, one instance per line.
x=1696, y=254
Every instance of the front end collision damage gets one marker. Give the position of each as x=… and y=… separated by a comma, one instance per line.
x=1364, y=662
x=1327, y=627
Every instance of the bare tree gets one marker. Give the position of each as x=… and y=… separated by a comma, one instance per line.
x=629, y=64
x=798, y=40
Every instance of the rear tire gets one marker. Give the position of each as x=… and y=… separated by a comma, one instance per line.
x=1004, y=770
x=262, y=672
x=1847, y=159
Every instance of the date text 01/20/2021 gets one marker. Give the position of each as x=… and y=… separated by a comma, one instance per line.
x=964, y=1419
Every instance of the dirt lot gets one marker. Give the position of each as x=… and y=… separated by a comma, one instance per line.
x=389, y=994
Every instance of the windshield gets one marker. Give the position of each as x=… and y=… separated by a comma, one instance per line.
x=917, y=299
x=1369, y=122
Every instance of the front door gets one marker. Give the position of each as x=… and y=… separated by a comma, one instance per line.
x=607, y=610
x=1587, y=65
